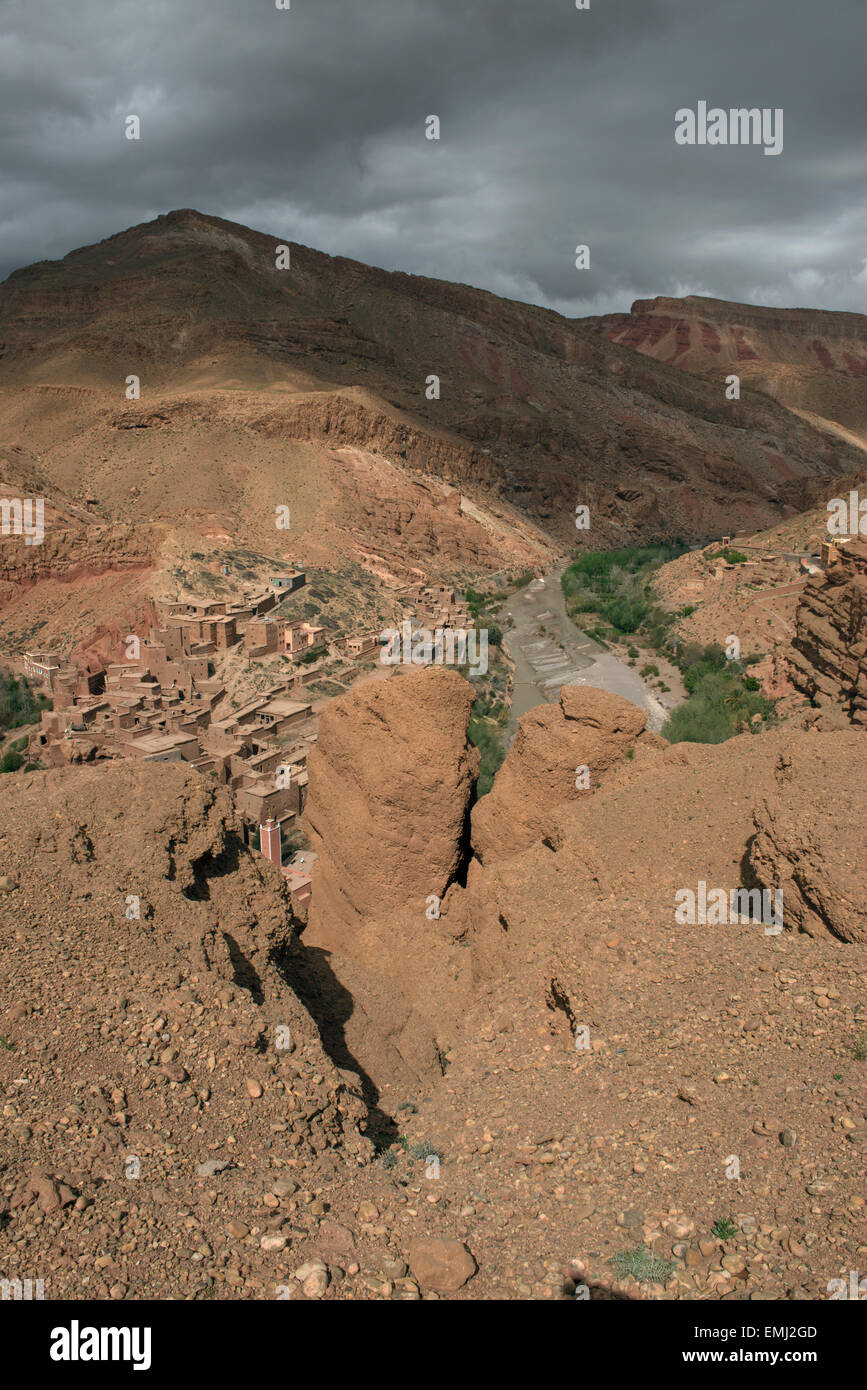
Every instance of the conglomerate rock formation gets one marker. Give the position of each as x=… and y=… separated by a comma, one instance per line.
x=171, y=1069
x=390, y=780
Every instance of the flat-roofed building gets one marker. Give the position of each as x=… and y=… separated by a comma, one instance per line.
x=288, y=581
x=159, y=747
x=299, y=636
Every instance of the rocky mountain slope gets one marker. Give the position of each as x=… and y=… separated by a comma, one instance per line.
x=236, y=356
x=813, y=361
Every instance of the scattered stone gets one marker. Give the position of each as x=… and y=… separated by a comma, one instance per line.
x=212, y=1166
x=443, y=1266
x=272, y=1243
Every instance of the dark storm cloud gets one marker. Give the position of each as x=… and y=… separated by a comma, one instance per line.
x=557, y=129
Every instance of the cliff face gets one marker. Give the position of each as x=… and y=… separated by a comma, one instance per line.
x=389, y=788
x=390, y=781
x=828, y=659
x=810, y=834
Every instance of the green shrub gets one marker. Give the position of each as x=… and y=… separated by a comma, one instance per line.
x=484, y=736
x=307, y=658
x=18, y=704
x=734, y=557
x=719, y=708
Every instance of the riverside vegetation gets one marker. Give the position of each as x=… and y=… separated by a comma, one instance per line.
x=616, y=588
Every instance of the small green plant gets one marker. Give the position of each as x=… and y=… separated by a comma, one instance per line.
x=423, y=1150
x=388, y=1160
x=650, y=670
x=838, y=1076
x=724, y=1229
x=643, y=1266
x=6, y=1043
x=859, y=1052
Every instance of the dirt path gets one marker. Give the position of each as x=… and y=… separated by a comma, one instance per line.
x=549, y=651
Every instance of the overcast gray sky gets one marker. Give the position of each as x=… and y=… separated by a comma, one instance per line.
x=557, y=128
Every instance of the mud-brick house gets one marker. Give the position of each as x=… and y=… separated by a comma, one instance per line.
x=832, y=550
x=259, y=798
x=163, y=747
x=358, y=648
x=298, y=636
x=271, y=714
x=261, y=637
x=42, y=667
x=193, y=607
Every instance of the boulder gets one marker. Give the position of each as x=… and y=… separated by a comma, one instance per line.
x=586, y=728
x=443, y=1266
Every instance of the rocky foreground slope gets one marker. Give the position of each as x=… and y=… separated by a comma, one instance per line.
x=552, y=1067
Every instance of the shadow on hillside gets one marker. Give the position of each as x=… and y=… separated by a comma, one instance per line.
x=208, y=866
x=307, y=971
x=246, y=975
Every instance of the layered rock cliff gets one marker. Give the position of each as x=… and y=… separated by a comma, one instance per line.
x=828, y=659
x=813, y=361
